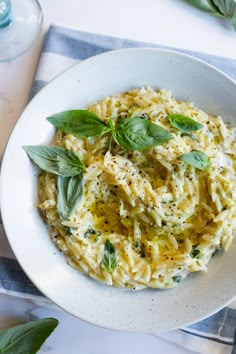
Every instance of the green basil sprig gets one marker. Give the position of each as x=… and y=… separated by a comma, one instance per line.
x=79, y=122
x=109, y=262
x=69, y=168
x=139, y=134
x=131, y=133
x=183, y=123
x=69, y=193
x=56, y=160
x=26, y=338
x=197, y=159
x=220, y=8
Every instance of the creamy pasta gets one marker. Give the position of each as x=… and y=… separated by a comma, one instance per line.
x=164, y=217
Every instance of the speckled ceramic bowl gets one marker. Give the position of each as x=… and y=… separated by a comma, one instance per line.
x=148, y=310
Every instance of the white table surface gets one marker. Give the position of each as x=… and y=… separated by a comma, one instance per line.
x=167, y=22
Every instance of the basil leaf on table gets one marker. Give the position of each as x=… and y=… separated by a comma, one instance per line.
x=220, y=8
x=26, y=338
x=183, y=123
x=80, y=123
x=205, y=5
x=197, y=159
x=109, y=262
x=69, y=193
x=55, y=159
x=224, y=7
x=139, y=134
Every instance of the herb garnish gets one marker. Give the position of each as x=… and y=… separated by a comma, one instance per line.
x=131, y=133
x=183, y=123
x=69, y=193
x=109, y=262
x=69, y=168
x=177, y=278
x=139, y=134
x=56, y=160
x=79, y=122
x=137, y=244
x=68, y=230
x=28, y=337
x=197, y=159
x=91, y=232
x=195, y=253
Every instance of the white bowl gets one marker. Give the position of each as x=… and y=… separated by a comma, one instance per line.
x=149, y=310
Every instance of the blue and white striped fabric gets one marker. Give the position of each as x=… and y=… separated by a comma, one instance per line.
x=63, y=48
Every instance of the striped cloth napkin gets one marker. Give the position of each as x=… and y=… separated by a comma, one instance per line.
x=63, y=48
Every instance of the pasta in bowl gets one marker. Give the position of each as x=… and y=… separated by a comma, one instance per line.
x=146, y=215
x=115, y=142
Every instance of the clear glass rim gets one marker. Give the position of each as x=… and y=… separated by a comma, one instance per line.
x=41, y=18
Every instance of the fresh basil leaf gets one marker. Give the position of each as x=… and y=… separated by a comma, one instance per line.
x=69, y=193
x=26, y=338
x=55, y=159
x=197, y=159
x=79, y=123
x=233, y=21
x=192, y=136
x=139, y=134
x=224, y=7
x=233, y=18
x=205, y=5
x=177, y=278
x=221, y=8
x=109, y=262
x=183, y=123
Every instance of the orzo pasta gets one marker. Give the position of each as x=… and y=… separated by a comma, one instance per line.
x=164, y=217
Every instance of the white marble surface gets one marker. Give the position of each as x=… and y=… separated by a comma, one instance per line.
x=168, y=22
x=73, y=336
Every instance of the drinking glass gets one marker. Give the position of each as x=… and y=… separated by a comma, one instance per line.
x=20, y=25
